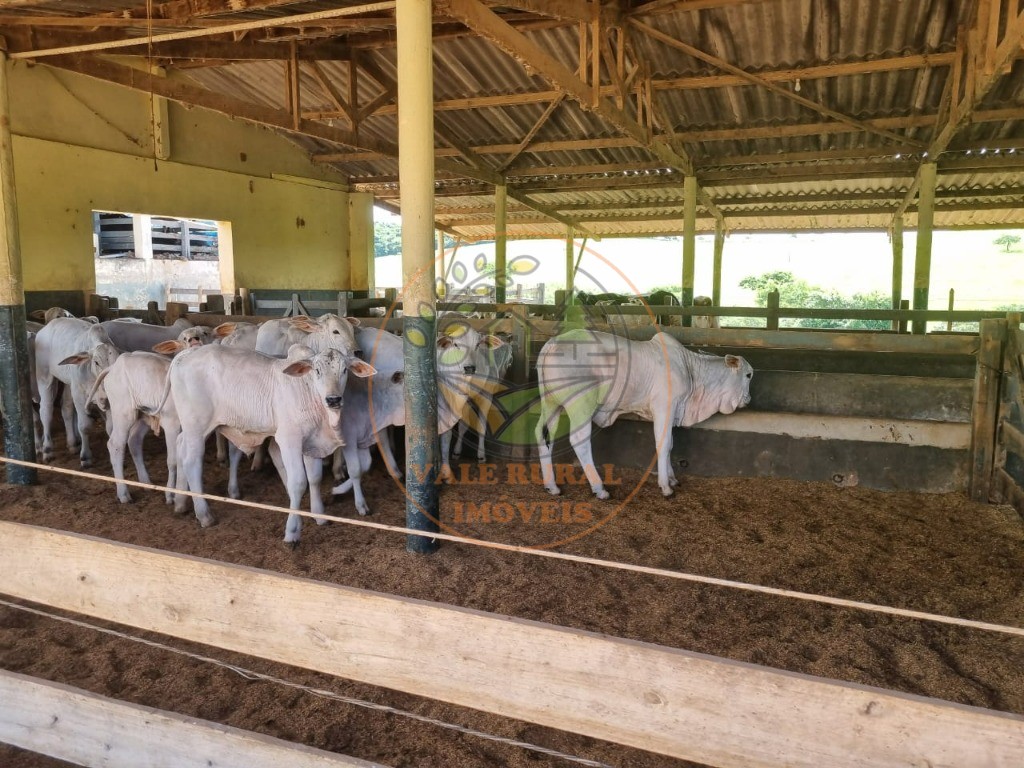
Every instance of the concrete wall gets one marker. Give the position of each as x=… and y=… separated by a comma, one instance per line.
x=82, y=145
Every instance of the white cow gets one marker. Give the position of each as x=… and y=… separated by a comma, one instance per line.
x=328, y=331
x=129, y=390
x=704, y=321
x=45, y=316
x=237, y=334
x=74, y=352
x=373, y=405
x=248, y=397
x=492, y=365
x=596, y=377
x=132, y=336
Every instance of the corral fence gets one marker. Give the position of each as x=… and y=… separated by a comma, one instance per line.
x=860, y=402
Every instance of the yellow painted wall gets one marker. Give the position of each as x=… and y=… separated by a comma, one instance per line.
x=82, y=145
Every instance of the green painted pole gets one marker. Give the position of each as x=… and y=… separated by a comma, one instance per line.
x=923, y=262
x=689, y=243
x=416, y=176
x=897, y=266
x=19, y=442
x=500, y=243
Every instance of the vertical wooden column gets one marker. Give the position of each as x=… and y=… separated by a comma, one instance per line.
x=923, y=262
x=19, y=442
x=361, y=275
x=416, y=177
x=897, y=265
x=500, y=243
x=441, y=279
x=985, y=408
x=716, y=273
x=570, y=268
x=689, y=243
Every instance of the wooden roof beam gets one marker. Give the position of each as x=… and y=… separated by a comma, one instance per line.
x=981, y=62
x=549, y=212
x=489, y=25
x=756, y=79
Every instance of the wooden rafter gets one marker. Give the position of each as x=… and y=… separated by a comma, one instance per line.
x=985, y=59
x=490, y=26
x=758, y=80
x=654, y=7
x=532, y=133
x=333, y=94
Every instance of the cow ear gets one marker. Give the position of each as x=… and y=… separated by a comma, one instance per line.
x=298, y=368
x=732, y=361
x=79, y=359
x=39, y=315
x=303, y=323
x=361, y=369
x=354, y=321
x=224, y=329
x=169, y=347
x=445, y=341
x=398, y=377
x=493, y=342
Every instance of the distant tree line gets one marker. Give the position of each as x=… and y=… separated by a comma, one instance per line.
x=387, y=239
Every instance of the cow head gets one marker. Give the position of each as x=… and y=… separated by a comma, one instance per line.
x=329, y=332
x=736, y=392
x=195, y=336
x=91, y=364
x=329, y=370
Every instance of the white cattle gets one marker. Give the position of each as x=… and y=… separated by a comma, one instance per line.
x=328, y=331
x=493, y=363
x=131, y=336
x=128, y=391
x=596, y=377
x=373, y=405
x=704, y=321
x=74, y=352
x=45, y=316
x=237, y=334
x=248, y=397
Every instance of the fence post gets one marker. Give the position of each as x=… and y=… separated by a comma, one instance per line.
x=985, y=407
x=215, y=303
x=949, y=323
x=175, y=309
x=153, y=314
x=520, y=376
x=902, y=325
x=343, y=297
x=245, y=301
x=773, y=311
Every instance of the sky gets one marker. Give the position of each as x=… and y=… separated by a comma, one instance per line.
x=983, y=274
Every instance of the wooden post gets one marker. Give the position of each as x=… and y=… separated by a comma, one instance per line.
x=716, y=273
x=689, y=243
x=15, y=392
x=570, y=268
x=949, y=323
x=772, y=323
x=902, y=324
x=985, y=408
x=153, y=314
x=442, y=285
x=175, y=309
x=246, y=301
x=500, y=243
x=519, y=373
x=923, y=262
x=215, y=303
x=416, y=179
x=897, y=266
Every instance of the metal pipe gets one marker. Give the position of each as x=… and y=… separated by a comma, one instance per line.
x=241, y=26
x=416, y=174
x=15, y=392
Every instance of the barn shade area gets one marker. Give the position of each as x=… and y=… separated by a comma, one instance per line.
x=933, y=552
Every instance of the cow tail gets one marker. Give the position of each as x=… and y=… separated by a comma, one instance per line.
x=163, y=397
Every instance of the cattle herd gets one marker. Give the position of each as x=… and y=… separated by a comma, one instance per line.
x=303, y=390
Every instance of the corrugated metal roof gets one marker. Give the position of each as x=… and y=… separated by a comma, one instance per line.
x=880, y=71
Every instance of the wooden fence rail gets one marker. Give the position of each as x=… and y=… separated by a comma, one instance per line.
x=1008, y=460
x=687, y=705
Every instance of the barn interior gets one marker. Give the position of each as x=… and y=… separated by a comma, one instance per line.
x=578, y=120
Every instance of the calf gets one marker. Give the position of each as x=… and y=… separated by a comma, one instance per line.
x=132, y=336
x=248, y=397
x=704, y=321
x=328, y=331
x=73, y=352
x=128, y=391
x=596, y=377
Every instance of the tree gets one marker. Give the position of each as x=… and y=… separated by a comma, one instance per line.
x=1007, y=241
x=387, y=239
x=797, y=293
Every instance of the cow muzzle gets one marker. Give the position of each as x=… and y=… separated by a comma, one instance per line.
x=334, y=401
x=469, y=369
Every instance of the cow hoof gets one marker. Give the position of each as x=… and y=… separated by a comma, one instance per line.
x=481, y=458
x=602, y=494
x=364, y=511
x=666, y=491
x=86, y=463
x=236, y=495
x=292, y=545
x=125, y=499
x=554, y=490
x=207, y=522
x=673, y=482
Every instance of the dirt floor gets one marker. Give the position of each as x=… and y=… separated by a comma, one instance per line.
x=941, y=554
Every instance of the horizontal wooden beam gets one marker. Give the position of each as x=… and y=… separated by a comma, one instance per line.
x=687, y=705
x=86, y=729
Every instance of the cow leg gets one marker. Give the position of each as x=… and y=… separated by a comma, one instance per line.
x=548, y=419
x=171, y=433
x=191, y=448
x=222, y=449
x=119, y=435
x=47, y=395
x=67, y=412
x=136, y=435
x=446, y=466
x=338, y=465
x=291, y=465
x=259, y=458
x=84, y=422
x=314, y=474
x=356, y=468
x=461, y=427
x=663, y=441
x=234, y=459
x=579, y=436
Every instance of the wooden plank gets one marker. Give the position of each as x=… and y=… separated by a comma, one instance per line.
x=985, y=409
x=1012, y=438
x=688, y=705
x=83, y=728
x=1009, y=491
